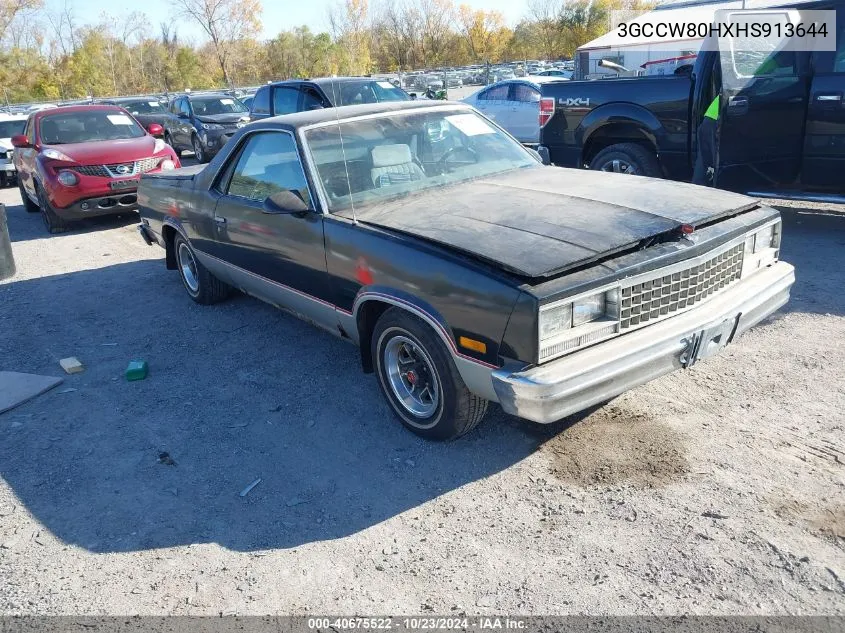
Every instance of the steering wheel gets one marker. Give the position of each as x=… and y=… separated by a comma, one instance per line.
x=443, y=163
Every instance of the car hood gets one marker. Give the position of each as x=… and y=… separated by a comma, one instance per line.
x=108, y=152
x=232, y=117
x=543, y=221
x=5, y=144
x=153, y=117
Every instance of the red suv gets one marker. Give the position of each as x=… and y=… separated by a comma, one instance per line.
x=77, y=162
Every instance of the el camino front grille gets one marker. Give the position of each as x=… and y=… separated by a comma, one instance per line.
x=120, y=170
x=659, y=297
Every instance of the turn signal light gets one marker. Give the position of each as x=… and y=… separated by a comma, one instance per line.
x=476, y=346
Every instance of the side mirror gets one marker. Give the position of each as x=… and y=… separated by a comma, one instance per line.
x=181, y=115
x=285, y=201
x=155, y=129
x=21, y=141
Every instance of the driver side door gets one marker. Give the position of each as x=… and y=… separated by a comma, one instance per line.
x=275, y=255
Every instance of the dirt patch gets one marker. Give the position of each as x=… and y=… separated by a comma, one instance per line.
x=825, y=519
x=617, y=444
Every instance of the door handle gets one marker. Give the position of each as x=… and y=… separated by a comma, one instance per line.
x=219, y=220
x=738, y=105
x=829, y=96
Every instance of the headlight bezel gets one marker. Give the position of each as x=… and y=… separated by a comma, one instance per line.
x=211, y=126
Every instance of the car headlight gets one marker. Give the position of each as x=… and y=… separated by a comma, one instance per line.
x=566, y=326
x=761, y=248
x=555, y=320
x=211, y=126
x=159, y=146
x=67, y=178
x=167, y=165
x=588, y=309
x=55, y=154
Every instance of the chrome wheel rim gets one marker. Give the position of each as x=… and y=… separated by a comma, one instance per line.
x=197, y=149
x=411, y=376
x=188, y=266
x=619, y=167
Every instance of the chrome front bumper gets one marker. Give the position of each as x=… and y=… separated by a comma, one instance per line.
x=549, y=392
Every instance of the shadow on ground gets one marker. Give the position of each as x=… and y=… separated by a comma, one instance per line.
x=25, y=226
x=814, y=243
x=236, y=392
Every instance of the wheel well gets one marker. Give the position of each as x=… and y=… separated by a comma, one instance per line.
x=169, y=233
x=367, y=317
x=612, y=134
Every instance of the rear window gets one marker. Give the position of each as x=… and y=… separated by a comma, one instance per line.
x=8, y=129
x=147, y=106
x=354, y=93
x=93, y=125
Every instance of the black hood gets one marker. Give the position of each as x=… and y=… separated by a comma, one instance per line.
x=230, y=117
x=157, y=117
x=539, y=222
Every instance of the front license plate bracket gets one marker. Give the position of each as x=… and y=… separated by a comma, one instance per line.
x=709, y=342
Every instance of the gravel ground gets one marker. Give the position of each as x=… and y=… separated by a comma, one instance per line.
x=718, y=490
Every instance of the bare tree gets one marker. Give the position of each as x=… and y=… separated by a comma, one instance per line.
x=225, y=22
x=546, y=14
x=437, y=17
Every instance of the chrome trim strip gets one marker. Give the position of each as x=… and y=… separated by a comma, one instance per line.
x=428, y=318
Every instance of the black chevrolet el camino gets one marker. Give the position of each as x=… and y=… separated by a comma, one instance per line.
x=465, y=270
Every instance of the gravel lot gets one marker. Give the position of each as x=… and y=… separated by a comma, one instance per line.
x=716, y=490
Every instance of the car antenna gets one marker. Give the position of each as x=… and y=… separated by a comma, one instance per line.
x=335, y=105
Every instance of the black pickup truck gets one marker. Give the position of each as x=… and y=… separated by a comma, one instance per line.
x=782, y=130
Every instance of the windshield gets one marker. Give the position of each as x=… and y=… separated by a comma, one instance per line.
x=150, y=106
x=217, y=105
x=92, y=125
x=8, y=129
x=357, y=92
x=402, y=153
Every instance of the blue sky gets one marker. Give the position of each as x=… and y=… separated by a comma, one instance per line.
x=278, y=14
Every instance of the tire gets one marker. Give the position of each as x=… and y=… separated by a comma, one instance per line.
x=627, y=158
x=52, y=222
x=199, y=152
x=28, y=204
x=4, y=180
x=169, y=141
x=200, y=284
x=445, y=408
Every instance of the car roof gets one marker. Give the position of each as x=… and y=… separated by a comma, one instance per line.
x=213, y=95
x=119, y=100
x=76, y=108
x=324, y=115
x=322, y=81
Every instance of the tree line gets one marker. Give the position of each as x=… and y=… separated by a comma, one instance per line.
x=49, y=55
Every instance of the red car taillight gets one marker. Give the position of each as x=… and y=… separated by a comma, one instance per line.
x=547, y=109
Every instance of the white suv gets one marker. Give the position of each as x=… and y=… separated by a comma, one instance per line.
x=10, y=125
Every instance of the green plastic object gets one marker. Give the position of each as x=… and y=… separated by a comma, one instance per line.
x=137, y=370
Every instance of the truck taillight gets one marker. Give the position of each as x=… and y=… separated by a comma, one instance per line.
x=547, y=109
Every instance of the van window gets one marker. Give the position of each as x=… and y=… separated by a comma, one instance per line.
x=261, y=102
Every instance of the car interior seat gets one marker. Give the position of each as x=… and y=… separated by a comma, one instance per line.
x=49, y=132
x=394, y=164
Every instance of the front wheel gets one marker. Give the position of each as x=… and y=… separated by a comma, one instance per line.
x=201, y=285
x=627, y=158
x=52, y=222
x=419, y=379
x=199, y=152
x=28, y=204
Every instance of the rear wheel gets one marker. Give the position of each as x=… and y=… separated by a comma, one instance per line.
x=627, y=158
x=419, y=379
x=169, y=140
x=28, y=204
x=52, y=222
x=201, y=285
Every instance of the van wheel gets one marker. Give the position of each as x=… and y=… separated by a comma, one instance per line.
x=200, y=284
x=28, y=204
x=52, y=222
x=419, y=379
x=627, y=158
